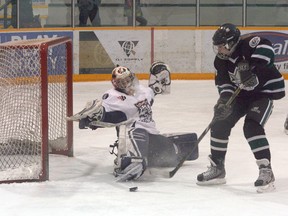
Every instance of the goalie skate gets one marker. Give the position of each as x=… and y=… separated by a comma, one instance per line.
x=134, y=171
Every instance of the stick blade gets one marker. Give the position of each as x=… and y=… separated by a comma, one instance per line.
x=173, y=172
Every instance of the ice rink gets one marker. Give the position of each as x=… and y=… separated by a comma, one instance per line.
x=84, y=185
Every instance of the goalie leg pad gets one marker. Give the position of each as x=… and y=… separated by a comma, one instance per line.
x=167, y=150
x=131, y=159
x=162, y=152
x=131, y=168
x=186, y=142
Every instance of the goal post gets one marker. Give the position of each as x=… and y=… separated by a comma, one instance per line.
x=36, y=96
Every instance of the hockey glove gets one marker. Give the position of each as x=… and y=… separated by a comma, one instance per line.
x=85, y=123
x=159, y=80
x=221, y=110
x=245, y=76
x=93, y=109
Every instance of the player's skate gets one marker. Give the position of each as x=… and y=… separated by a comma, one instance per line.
x=214, y=175
x=265, y=181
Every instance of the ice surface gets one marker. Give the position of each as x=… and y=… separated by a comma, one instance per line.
x=84, y=185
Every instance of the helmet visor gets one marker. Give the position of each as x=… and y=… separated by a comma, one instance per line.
x=222, y=51
x=127, y=83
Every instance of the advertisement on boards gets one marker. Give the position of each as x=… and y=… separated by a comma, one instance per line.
x=279, y=42
x=16, y=36
x=56, y=59
x=101, y=50
x=129, y=48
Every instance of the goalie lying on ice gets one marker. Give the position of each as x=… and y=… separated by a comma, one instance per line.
x=128, y=106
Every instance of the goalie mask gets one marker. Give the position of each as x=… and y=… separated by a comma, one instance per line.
x=124, y=80
x=160, y=79
x=225, y=40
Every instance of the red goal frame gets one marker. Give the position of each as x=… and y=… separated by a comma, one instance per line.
x=44, y=45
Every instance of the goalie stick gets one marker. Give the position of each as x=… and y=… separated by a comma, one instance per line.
x=181, y=162
x=108, y=124
x=90, y=108
x=105, y=124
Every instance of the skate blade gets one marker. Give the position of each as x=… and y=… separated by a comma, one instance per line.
x=218, y=181
x=267, y=188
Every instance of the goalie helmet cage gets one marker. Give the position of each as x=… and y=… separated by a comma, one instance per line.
x=35, y=99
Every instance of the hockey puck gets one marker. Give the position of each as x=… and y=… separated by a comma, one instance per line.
x=133, y=189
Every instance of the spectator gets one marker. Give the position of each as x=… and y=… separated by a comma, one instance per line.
x=128, y=12
x=26, y=16
x=89, y=9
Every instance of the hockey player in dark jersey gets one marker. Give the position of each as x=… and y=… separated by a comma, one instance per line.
x=247, y=61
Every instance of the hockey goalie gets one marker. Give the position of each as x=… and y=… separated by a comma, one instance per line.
x=128, y=107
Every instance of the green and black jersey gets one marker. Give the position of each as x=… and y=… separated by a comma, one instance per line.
x=259, y=53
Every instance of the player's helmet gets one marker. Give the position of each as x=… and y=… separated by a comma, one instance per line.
x=124, y=80
x=157, y=67
x=225, y=40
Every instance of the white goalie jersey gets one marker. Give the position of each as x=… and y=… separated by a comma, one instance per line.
x=136, y=107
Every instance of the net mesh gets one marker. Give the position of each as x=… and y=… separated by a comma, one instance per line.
x=21, y=113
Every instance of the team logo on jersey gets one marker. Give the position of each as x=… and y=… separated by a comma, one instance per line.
x=128, y=47
x=254, y=42
x=234, y=77
x=145, y=111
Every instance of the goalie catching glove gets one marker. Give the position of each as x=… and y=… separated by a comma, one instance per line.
x=245, y=76
x=159, y=79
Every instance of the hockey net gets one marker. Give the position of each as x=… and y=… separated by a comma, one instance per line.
x=35, y=99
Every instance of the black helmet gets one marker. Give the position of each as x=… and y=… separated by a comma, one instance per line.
x=228, y=35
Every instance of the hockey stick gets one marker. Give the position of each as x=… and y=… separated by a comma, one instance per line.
x=108, y=124
x=181, y=162
x=103, y=124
